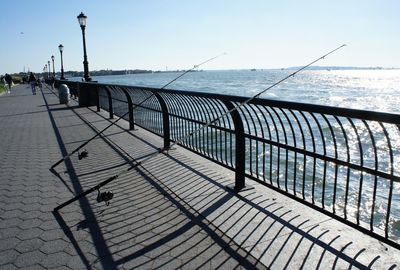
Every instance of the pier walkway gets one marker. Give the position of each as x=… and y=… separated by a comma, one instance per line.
x=173, y=212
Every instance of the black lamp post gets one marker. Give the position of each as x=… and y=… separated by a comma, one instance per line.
x=61, y=48
x=54, y=73
x=48, y=65
x=82, y=22
x=45, y=71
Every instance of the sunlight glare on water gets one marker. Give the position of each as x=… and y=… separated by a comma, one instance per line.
x=376, y=90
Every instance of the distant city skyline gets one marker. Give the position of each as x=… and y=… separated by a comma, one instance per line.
x=155, y=34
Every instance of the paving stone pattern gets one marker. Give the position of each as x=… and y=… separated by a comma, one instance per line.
x=171, y=213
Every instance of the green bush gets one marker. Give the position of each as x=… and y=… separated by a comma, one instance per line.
x=17, y=79
x=2, y=88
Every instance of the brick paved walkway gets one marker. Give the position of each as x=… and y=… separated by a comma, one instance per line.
x=170, y=213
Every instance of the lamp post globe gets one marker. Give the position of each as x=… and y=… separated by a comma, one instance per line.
x=82, y=22
x=61, y=48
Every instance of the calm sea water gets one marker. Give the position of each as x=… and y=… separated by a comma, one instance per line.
x=376, y=90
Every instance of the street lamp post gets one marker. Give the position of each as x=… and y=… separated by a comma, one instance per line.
x=54, y=73
x=48, y=65
x=61, y=48
x=82, y=22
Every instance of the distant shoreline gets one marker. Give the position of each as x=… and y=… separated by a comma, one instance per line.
x=343, y=68
x=108, y=72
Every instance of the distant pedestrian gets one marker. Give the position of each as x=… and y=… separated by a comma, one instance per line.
x=39, y=83
x=9, y=81
x=32, y=81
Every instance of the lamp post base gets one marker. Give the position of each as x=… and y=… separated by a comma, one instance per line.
x=233, y=188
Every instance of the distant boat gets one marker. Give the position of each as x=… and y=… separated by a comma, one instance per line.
x=253, y=69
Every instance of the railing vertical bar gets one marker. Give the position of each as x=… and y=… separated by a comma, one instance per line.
x=263, y=136
x=371, y=135
x=130, y=109
x=110, y=103
x=221, y=123
x=214, y=133
x=271, y=152
x=272, y=148
x=252, y=130
x=197, y=103
x=170, y=100
x=239, y=146
x=258, y=127
x=314, y=168
x=304, y=155
x=336, y=166
x=361, y=174
x=203, y=117
x=220, y=148
x=279, y=149
x=193, y=109
x=295, y=153
x=287, y=152
x=348, y=161
x=97, y=96
x=391, y=181
x=165, y=117
x=182, y=110
x=322, y=136
x=248, y=131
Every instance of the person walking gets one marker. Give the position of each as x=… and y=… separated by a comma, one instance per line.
x=39, y=83
x=32, y=81
x=9, y=81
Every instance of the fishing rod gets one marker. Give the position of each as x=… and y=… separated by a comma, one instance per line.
x=161, y=150
x=85, y=153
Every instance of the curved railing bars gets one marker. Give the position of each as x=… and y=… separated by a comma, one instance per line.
x=341, y=162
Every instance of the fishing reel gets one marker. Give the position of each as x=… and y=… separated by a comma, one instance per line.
x=83, y=154
x=104, y=197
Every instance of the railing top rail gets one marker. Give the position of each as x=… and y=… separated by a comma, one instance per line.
x=391, y=118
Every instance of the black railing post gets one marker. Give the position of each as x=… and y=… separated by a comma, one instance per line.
x=239, y=150
x=165, y=115
x=110, y=103
x=130, y=108
x=87, y=94
x=98, y=98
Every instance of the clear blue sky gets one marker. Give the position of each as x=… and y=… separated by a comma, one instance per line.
x=155, y=34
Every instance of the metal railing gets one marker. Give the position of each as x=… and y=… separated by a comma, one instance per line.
x=342, y=162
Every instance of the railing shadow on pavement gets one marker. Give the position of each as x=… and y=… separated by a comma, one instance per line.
x=103, y=250
x=282, y=223
x=199, y=215
x=77, y=189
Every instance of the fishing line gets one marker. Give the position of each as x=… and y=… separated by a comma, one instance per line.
x=161, y=150
x=125, y=114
